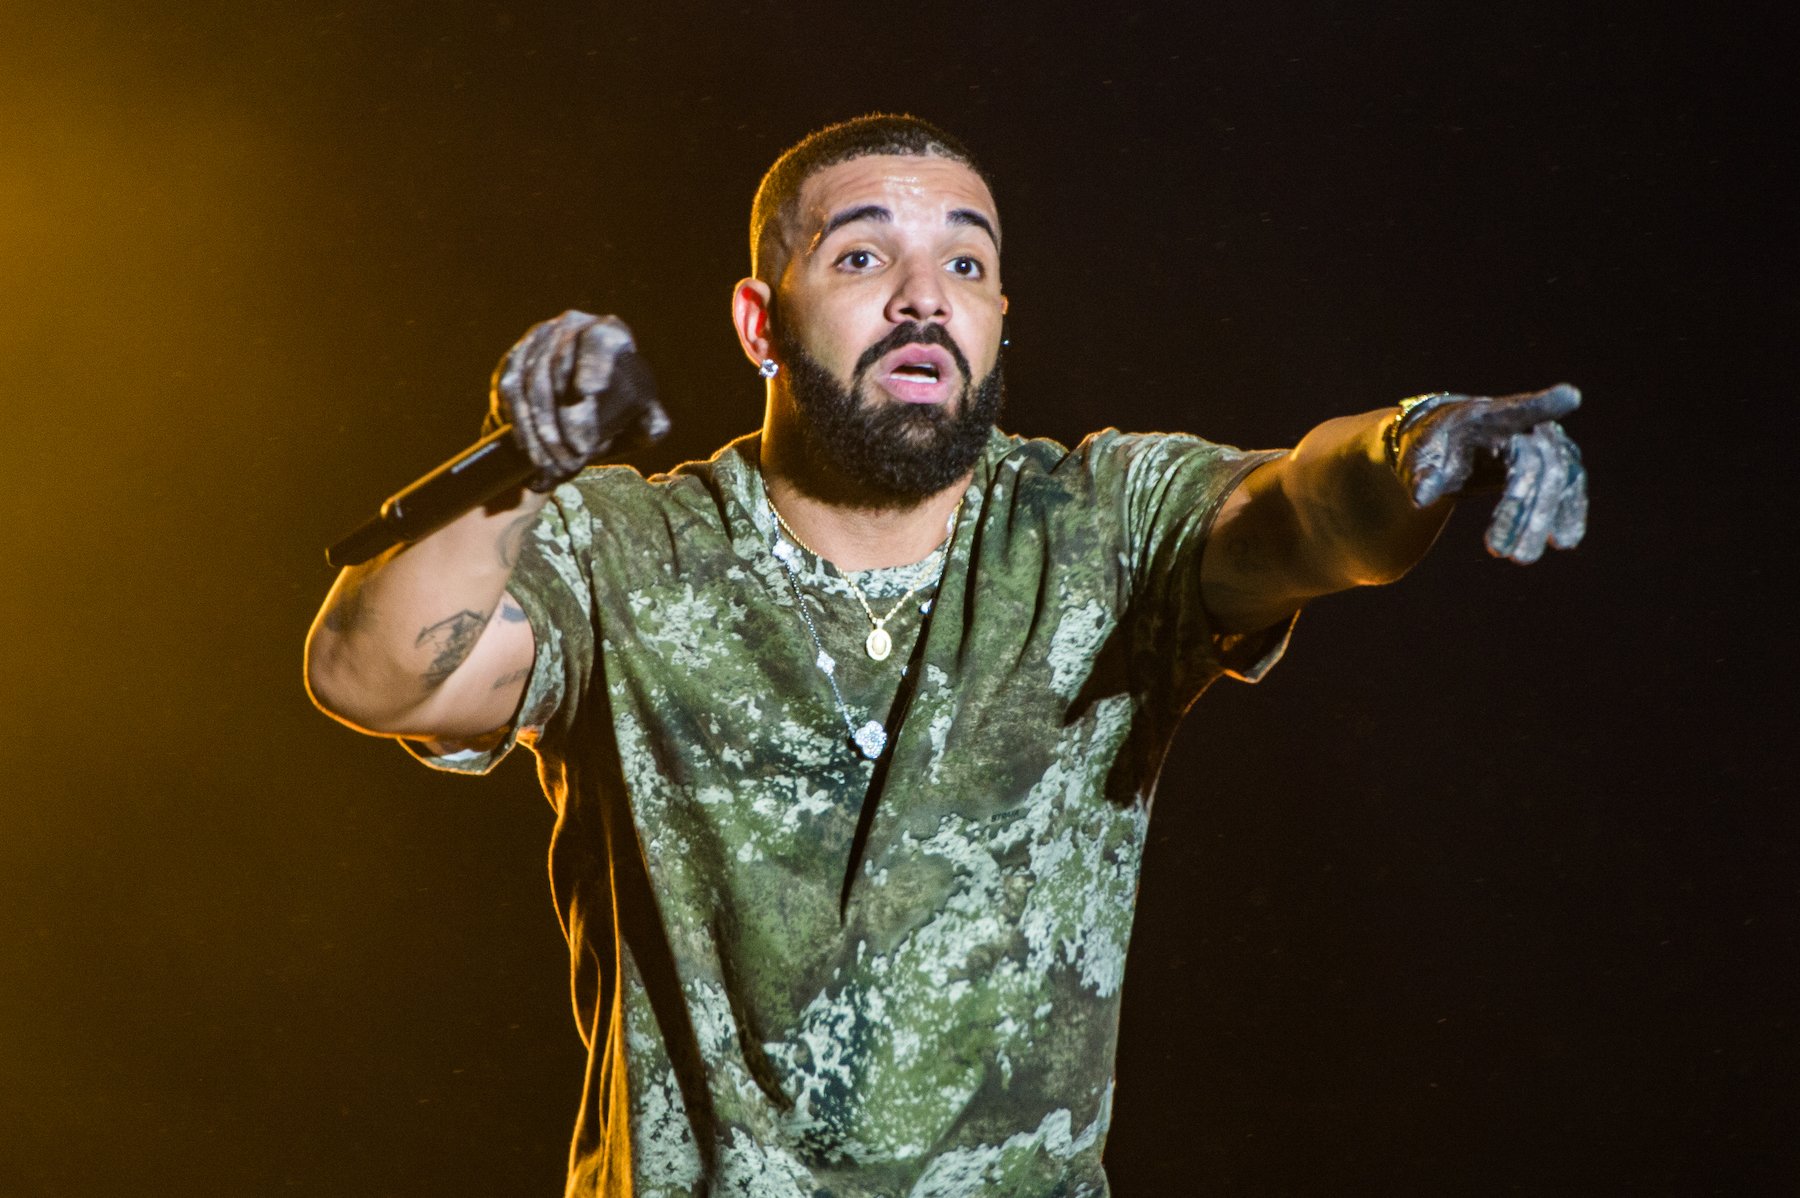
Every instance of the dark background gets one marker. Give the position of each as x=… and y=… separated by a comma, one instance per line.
x=1489, y=889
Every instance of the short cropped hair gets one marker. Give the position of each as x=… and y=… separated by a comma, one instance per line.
x=778, y=196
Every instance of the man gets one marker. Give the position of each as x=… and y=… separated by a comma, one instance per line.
x=852, y=730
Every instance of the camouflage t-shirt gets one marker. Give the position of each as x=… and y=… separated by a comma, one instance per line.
x=799, y=972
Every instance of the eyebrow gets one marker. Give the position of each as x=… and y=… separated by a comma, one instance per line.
x=968, y=216
x=875, y=212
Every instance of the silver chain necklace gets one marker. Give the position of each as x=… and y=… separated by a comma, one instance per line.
x=871, y=738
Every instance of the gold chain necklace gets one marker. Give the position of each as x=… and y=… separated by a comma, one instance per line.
x=878, y=644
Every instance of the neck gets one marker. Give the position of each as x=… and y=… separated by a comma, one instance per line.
x=852, y=531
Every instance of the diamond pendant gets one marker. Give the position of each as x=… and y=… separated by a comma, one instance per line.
x=871, y=738
x=879, y=644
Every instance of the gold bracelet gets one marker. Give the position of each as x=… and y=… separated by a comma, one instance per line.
x=1411, y=406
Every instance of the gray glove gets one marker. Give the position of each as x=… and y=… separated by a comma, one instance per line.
x=1465, y=444
x=575, y=390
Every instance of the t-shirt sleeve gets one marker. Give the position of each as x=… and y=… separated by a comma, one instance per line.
x=552, y=582
x=1173, y=487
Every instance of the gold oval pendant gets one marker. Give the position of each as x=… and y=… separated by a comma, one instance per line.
x=879, y=644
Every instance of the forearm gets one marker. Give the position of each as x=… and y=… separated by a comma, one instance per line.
x=395, y=631
x=1355, y=524
x=1338, y=513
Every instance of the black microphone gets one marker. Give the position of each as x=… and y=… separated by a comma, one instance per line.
x=485, y=469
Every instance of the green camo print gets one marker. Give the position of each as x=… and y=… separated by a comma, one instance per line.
x=943, y=1024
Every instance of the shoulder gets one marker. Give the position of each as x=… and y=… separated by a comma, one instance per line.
x=623, y=498
x=1107, y=462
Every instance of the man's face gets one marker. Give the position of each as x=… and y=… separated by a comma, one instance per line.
x=887, y=318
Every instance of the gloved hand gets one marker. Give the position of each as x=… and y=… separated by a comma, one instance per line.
x=1466, y=444
x=575, y=390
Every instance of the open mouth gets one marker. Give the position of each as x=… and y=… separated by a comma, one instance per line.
x=919, y=373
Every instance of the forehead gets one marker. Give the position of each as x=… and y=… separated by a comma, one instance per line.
x=912, y=187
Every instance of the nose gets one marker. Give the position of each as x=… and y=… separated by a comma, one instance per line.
x=919, y=294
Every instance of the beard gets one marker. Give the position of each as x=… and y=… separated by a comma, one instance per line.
x=890, y=454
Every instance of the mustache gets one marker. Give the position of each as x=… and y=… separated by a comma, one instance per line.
x=914, y=333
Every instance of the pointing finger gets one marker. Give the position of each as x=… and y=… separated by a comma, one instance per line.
x=1527, y=410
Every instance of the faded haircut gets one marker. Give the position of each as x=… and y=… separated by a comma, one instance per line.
x=778, y=196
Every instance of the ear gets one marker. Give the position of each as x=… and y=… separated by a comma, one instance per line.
x=750, y=316
x=1004, y=305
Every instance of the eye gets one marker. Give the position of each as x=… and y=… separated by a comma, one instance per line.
x=965, y=267
x=857, y=260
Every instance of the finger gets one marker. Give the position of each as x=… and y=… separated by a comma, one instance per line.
x=583, y=373
x=571, y=407
x=565, y=353
x=541, y=386
x=617, y=381
x=603, y=405
x=509, y=376
x=519, y=390
x=527, y=357
x=1507, y=526
x=1540, y=513
x=1525, y=411
x=536, y=389
x=602, y=342
x=598, y=349
x=1571, y=515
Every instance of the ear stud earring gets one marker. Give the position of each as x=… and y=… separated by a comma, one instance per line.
x=769, y=368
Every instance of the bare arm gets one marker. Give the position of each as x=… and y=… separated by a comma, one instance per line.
x=1329, y=516
x=1361, y=499
x=425, y=641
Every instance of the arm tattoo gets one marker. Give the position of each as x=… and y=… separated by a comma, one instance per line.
x=511, y=612
x=452, y=638
x=518, y=675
